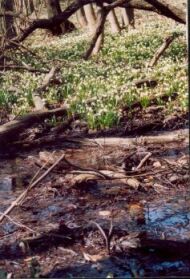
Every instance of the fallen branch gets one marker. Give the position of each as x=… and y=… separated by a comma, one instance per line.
x=23, y=194
x=146, y=82
x=18, y=67
x=180, y=136
x=167, y=247
x=38, y=102
x=152, y=101
x=17, y=223
x=167, y=42
x=10, y=130
x=143, y=160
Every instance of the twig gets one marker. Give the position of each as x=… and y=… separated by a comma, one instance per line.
x=143, y=161
x=23, y=194
x=98, y=32
x=97, y=172
x=33, y=179
x=17, y=223
x=105, y=236
x=117, y=177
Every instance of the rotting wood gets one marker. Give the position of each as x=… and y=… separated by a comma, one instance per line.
x=10, y=130
x=23, y=194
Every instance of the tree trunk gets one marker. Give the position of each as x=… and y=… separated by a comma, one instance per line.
x=29, y=4
x=53, y=9
x=90, y=16
x=98, y=37
x=81, y=17
x=112, y=18
x=128, y=17
x=8, y=20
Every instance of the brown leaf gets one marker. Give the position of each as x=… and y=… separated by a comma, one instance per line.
x=135, y=209
x=85, y=179
x=48, y=157
x=133, y=182
x=157, y=164
x=105, y=213
x=93, y=258
x=159, y=188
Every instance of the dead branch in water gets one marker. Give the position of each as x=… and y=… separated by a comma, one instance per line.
x=37, y=181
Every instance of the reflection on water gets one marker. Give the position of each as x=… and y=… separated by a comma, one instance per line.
x=11, y=181
x=169, y=216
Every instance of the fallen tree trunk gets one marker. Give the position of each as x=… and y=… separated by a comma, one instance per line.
x=167, y=137
x=11, y=130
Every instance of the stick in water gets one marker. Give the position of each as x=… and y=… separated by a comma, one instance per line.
x=23, y=194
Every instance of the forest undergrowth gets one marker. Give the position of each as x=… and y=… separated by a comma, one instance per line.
x=99, y=88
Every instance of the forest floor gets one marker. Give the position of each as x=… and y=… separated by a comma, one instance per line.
x=118, y=204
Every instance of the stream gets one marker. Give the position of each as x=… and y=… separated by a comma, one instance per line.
x=161, y=216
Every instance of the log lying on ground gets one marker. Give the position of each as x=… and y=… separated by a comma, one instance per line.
x=11, y=130
x=166, y=137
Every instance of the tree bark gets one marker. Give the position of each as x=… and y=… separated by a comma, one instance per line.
x=54, y=9
x=81, y=17
x=127, y=17
x=8, y=20
x=112, y=18
x=90, y=16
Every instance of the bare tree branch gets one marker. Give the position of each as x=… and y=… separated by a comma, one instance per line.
x=158, y=6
